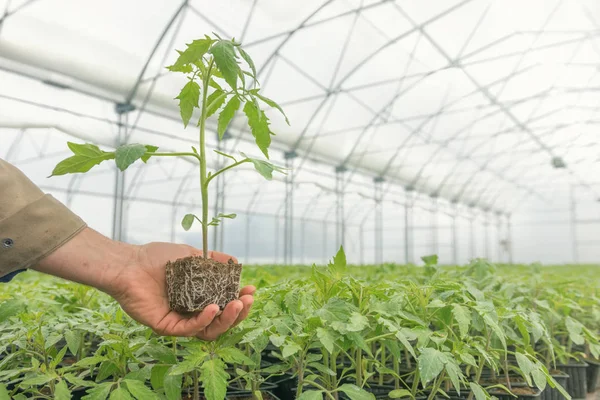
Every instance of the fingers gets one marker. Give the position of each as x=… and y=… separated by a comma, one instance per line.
x=224, y=321
x=247, y=301
x=175, y=324
x=215, y=255
x=248, y=290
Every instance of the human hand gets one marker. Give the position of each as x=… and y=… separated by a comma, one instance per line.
x=135, y=277
x=141, y=290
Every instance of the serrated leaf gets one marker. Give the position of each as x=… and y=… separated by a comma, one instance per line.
x=355, y=393
x=86, y=157
x=227, y=115
x=214, y=102
x=259, y=125
x=338, y=266
x=184, y=366
x=73, y=340
x=430, y=260
x=157, y=376
x=311, y=395
x=193, y=53
x=120, y=393
x=225, y=58
x=454, y=373
x=430, y=364
x=61, y=391
x=37, y=380
x=139, y=390
x=128, y=154
x=149, y=149
x=100, y=392
x=188, y=221
x=229, y=216
x=77, y=381
x=357, y=322
x=463, y=317
x=161, y=353
x=248, y=60
x=214, y=379
x=273, y=104
x=478, y=391
x=231, y=355
x=290, y=349
x=188, y=100
x=172, y=384
x=277, y=340
x=326, y=339
x=575, y=328
x=10, y=308
x=264, y=168
x=400, y=394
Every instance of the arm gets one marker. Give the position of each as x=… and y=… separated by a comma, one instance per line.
x=60, y=244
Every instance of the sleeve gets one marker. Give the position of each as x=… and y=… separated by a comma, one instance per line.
x=32, y=224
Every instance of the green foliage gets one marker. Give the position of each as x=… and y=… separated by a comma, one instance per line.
x=188, y=100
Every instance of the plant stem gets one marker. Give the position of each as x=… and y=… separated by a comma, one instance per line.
x=219, y=172
x=203, y=177
x=396, y=363
x=415, y=384
x=506, y=373
x=196, y=386
x=383, y=361
x=358, y=361
x=184, y=154
x=300, y=377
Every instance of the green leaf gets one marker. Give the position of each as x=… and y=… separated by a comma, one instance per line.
x=454, y=373
x=157, y=377
x=478, y=391
x=264, y=168
x=61, y=391
x=229, y=216
x=290, y=349
x=259, y=125
x=225, y=58
x=326, y=339
x=214, y=102
x=188, y=100
x=120, y=393
x=89, y=361
x=172, y=386
x=100, y=392
x=149, y=149
x=37, y=380
x=86, y=157
x=184, y=366
x=277, y=340
x=227, y=115
x=575, y=328
x=225, y=155
x=232, y=355
x=139, y=390
x=193, y=53
x=4, y=392
x=128, y=154
x=77, y=381
x=214, y=379
x=400, y=394
x=355, y=393
x=525, y=365
x=248, y=60
x=463, y=317
x=11, y=308
x=73, y=340
x=357, y=322
x=430, y=363
x=188, y=221
x=539, y=379
x=273, y=104
x=338, y=267
x=311, y=395
x=161, y=353
x=430, y=260
x=404, y=340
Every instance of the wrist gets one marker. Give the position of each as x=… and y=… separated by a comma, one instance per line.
x=90, y=258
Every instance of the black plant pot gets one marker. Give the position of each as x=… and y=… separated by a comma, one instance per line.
x=593, y=374
x=577, y=382
x=285, y=386
x=502, y=395
x=553, y=393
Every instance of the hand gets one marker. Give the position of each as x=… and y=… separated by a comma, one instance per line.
x=135, y=277
x=142, y=293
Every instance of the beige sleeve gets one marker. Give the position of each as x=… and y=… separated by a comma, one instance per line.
x=32, y=224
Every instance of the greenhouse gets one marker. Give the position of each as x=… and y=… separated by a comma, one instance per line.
x=319, y=199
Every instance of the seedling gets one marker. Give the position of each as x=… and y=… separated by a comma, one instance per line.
x=221, y=77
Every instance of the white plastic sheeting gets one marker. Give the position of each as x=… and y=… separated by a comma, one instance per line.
x=468, y=101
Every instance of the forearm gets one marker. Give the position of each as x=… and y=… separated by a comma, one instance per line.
x=89, y=258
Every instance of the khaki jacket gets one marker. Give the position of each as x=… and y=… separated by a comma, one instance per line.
x=32, y=224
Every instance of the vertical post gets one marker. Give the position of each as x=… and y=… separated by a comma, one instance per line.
x=454, y=235
x=408, y=216
x=362, y=242
x=498, y=237
x=472, y=248
x=288, y=234
x=378, y=181
x=486, y=235
x=118, y=231
x=574, y=240
x=509, y=241
x=325, y=233
x=277, y=238
x=302, y=250
x=340, y=214
x=434, y=225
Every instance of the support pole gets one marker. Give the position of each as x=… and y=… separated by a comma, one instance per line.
x=408, y=216
x=288, y=234
x=574, y=240
x=325, y=233
x=340, y=215
x=118, y=231
x=434, y=226
x=302, y=249
x=454, y=236
x=486, y=235
x=472, y=248
x=378, y=182
x=509, y=240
